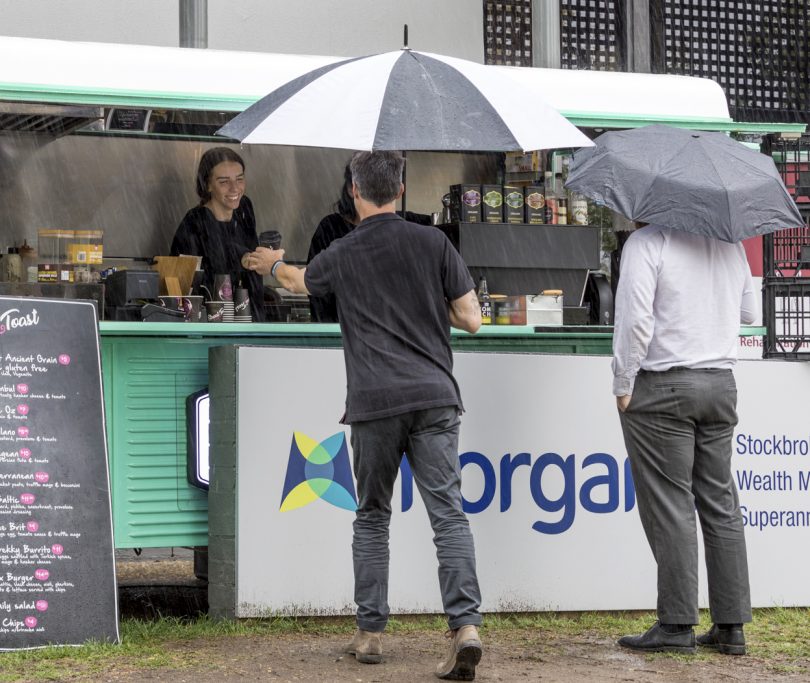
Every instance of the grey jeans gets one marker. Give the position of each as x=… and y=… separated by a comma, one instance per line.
x=678, y=431
x=430, y=439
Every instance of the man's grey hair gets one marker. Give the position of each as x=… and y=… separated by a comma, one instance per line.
x=377, y=175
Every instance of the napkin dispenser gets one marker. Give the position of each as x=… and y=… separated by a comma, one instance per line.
x=124, y=287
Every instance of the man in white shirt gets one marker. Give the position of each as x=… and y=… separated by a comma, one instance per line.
x=679, y=304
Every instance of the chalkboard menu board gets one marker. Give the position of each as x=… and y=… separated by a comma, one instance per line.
x=57, y=564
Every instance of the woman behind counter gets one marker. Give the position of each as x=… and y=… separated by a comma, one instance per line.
x=222, y=229
x=332, y=227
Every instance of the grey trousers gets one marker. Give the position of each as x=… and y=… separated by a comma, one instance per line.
x=678, y=431
x=430, y=439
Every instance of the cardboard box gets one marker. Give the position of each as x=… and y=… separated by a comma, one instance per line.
x=55, y=272
x=465, y=203
x=85, y=254
x=492, y=203
x=512, y=204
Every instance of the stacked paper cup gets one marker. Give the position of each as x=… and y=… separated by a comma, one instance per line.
x=223, y=291
x=241, y=304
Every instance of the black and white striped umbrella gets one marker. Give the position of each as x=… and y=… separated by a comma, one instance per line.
x=406, y=100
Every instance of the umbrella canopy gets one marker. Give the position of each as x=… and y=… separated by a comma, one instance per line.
x=704, y=183
x=405, y=100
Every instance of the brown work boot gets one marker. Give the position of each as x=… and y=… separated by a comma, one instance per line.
x=366, y=646
x=463, y=654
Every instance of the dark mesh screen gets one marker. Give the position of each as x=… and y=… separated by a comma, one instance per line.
x=757, y=51
x=592, y=35
x=508, y=32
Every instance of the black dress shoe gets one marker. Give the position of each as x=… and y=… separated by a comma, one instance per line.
x=658, y=640
x=727, y=641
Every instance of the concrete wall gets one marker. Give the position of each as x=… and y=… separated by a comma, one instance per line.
x=331, y=27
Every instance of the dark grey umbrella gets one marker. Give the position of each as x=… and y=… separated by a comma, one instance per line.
x=705, y=183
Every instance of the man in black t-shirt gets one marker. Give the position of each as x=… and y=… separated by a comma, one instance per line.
x=399, y=287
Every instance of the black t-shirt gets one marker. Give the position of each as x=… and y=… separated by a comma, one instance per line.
x=221, y=245
x=323, y=309
x=392, y=280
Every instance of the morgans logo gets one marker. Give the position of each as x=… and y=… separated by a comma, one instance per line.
x=560, y=487
x=318, y=470
x=11, y=319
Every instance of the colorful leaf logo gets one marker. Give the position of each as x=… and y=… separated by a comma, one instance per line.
x=318, y=470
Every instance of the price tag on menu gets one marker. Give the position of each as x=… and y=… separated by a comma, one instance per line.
x=57, y=564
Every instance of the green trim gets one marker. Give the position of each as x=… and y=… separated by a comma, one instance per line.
x=110, y=97
x=596, y=120
x=140, y=329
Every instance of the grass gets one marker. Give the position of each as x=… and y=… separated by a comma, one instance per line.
x=780, y=637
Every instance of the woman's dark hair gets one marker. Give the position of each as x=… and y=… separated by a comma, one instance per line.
x=212, y=157
x=345, y=205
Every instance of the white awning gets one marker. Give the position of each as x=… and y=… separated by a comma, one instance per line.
x=165, y=77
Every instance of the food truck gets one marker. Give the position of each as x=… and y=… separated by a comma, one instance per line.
x=106, y=138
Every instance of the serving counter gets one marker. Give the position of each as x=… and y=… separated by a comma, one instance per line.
x=150, y=368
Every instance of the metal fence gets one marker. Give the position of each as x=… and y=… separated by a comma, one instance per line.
x=508, y=32
x=592, y=35
x=786, y=262
x=759, y=52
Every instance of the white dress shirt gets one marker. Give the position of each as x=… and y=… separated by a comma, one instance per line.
x=680, y=301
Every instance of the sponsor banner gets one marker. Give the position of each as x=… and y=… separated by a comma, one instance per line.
x=546, y=484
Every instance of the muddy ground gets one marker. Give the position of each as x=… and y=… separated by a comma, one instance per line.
x=513, y=655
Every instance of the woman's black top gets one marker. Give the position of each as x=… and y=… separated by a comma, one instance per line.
x=323, y=309
x=221, y=245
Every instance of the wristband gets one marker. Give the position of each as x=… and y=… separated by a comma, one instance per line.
x=275, y=265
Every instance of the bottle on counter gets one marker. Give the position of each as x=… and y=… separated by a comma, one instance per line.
x=551, y=199
x=12, y=265
x=485, y=301
x=562, y=211
x=579, y=209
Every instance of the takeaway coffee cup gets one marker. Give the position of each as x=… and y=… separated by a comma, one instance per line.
x=241, y=302
x=192, y=307
x=215, y=311
x=173, y=302
x=270, y=239
x=223, y=289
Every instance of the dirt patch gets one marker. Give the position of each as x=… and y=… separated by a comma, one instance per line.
x=156, y=585
x=516, y=655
